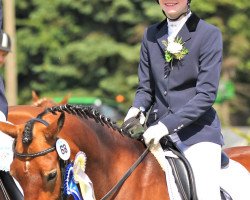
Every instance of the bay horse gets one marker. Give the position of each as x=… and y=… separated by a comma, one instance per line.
x=93, y=134
x=109, y=153
x=46, y=101
x=240, y=154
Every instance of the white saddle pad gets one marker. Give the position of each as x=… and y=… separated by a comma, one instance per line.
x=6, y=153
x=235, y=179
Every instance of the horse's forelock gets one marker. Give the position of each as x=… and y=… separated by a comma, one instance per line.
x=27, y=134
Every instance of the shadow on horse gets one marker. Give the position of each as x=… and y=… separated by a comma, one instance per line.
x=109, y=153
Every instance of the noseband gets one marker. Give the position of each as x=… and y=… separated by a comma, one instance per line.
x=42, y=153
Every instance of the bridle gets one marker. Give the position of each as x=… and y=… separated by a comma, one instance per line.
x=32, y=155
x=63, y=163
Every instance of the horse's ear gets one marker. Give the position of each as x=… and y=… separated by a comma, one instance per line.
x=65, y=99
x=35, y=97
x=60, y=121
x=55, y=127
x=9, y=129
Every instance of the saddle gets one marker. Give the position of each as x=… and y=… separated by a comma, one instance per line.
x=181, y=168
x=183, y=173
x=8, y=188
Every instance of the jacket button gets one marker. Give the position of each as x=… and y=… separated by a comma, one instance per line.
x=165, y=93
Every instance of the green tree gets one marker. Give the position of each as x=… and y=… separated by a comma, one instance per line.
x=91, y=47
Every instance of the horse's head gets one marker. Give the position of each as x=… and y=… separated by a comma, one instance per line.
x=35, y=163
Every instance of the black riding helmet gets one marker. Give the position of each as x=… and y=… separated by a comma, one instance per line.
x=5, y=43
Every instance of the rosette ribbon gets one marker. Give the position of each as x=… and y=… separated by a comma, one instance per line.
x=82, y=178
x=70, y=186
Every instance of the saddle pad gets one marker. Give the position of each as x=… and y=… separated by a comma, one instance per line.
x=160, y=155
x=6, y=153
x=172, y=187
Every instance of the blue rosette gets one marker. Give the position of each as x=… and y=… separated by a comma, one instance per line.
x=70, y=186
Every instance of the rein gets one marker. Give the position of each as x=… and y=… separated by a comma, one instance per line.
x=127, y=174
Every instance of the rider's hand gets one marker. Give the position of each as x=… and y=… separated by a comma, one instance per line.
x=133, y=112
x=155, y=132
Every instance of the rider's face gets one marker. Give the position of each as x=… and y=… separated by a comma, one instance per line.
x=173, y=8
x=3, y=55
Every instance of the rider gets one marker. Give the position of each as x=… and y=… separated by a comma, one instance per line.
x=179, y=91
x=6, y=142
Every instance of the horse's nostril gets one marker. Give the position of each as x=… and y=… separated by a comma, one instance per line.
x=52, y=176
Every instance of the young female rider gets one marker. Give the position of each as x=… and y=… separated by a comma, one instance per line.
x=179, y=73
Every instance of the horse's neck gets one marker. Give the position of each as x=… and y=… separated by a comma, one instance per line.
x=102, y=140
x=110, y=155
x=103, y=145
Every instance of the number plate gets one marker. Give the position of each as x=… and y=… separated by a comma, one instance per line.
x=63, y=149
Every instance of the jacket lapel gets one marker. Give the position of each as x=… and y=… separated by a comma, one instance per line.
x=190, y=26
x=184, y=33
x=162, y=34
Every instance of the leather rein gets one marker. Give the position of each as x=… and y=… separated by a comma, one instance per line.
x=63, y=164
x=127, y=174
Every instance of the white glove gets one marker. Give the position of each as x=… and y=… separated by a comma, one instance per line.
x=155, y=132
x=133, y=112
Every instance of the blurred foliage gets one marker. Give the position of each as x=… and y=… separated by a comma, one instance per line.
x=91, y=47
x=243, y=134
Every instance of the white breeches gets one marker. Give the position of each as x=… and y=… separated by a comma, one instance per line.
x=205, y=160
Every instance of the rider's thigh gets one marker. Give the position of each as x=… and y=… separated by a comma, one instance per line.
x=205, y=160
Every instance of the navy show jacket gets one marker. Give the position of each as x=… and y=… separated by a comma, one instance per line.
x=181, y=96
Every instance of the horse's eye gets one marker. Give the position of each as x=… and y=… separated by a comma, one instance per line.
x=52, y=176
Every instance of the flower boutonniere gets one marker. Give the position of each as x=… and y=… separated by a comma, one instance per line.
x=174, y=49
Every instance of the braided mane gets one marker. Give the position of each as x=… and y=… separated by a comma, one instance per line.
x=82, y=111
x=78, y=110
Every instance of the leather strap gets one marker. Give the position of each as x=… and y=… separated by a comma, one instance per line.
x=127, y=174
x=3, y=192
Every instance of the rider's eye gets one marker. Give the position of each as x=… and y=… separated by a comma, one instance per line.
x=51, y=176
